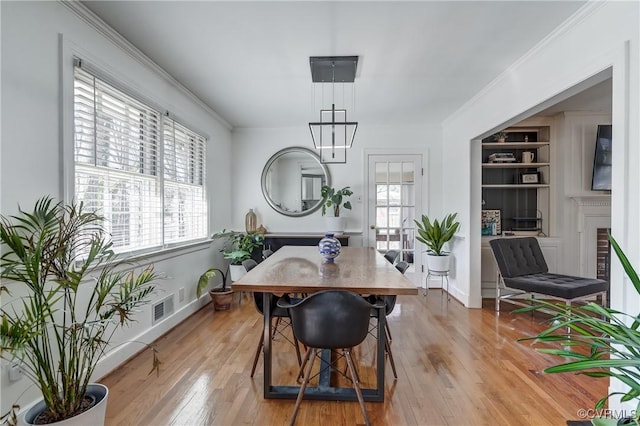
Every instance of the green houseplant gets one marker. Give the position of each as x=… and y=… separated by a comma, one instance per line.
x=221, y=296
x=434, y=235
x=596, y=341
x=335, y=199
x=240, y=247
x=73, y=295
x=501, y=136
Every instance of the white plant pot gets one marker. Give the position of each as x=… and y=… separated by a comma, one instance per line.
x=94, y=416
x=335, y=225
x=236, y=272
x=438, y=263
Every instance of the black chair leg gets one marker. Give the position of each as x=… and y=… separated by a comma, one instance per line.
x=356, y=384
x=393, y=364
x=255, y=359
x=275, y=328
x=386, y=326
x=311, y=353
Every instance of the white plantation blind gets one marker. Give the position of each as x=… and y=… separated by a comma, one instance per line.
x=118, y=168
x=185, y=206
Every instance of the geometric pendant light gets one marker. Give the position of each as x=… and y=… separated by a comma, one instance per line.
x=333, y=134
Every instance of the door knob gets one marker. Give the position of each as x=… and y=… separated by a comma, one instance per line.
x=372, y=227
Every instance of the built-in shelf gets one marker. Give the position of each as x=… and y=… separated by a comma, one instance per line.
x=514, y=145
x=516, y=186
x=518, y=189
x=514, y=165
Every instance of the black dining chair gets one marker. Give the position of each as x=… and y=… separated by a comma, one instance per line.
x=389, y=303
x=249, y=264
x=392, y=256
x=344, y=317
x=278, y=313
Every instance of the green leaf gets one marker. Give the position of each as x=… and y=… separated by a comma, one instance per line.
x=435, y=235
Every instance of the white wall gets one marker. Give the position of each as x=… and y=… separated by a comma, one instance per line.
x=572, y=54
x=252, y=148
x=574, y=165
x=34, y=62
x=600, y=36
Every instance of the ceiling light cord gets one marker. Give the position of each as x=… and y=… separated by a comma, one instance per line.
x=333, y=110
x=333, y=135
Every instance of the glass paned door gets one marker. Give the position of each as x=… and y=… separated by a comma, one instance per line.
x=394, y=194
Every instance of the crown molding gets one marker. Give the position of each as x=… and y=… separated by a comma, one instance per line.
x=580, y=15
x=126, y=46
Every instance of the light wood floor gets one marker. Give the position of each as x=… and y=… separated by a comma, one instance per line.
x=456, y=366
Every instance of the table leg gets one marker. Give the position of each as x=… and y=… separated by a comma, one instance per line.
x=266, y=309
x=382, y=336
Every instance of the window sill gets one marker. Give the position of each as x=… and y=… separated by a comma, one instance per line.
x=165, y=253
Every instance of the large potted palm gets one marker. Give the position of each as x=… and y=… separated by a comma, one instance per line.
x=596, y=341
x=435, y=235
x=72, y=295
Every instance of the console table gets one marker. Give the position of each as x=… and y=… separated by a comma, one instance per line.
x=275, y=241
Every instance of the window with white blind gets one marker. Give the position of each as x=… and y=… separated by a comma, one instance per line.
x=185, y=207
x=119, y=146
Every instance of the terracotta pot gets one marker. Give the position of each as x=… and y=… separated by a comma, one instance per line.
x=93, y=416
x=222, y=300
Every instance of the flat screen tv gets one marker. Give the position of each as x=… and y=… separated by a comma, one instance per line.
x=601, y=178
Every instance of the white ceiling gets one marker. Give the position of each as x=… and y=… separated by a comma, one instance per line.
x=249, y=61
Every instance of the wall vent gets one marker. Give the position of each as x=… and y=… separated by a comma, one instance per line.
x=162, y=309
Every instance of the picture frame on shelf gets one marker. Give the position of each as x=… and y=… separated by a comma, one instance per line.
x=491, y=216
x=530, y=178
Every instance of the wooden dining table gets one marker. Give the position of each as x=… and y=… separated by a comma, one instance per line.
x=301, y=269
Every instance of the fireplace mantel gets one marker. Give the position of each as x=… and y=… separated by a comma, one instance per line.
x=594, y=200
x=593, y=212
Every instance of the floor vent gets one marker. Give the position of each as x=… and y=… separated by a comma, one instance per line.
x=162, y=309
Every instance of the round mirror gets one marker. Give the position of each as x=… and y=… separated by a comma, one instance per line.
x=292, y=181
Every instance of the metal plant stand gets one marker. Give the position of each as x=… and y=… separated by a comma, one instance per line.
x=444, y=278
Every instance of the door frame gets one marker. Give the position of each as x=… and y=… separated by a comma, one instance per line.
x=420, y=209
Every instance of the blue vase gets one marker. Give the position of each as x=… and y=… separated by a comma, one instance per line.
x=329, y=248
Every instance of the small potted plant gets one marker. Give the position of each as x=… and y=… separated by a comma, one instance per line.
x=434, y=235
x=334, y=199
x=72, y=295
x=239, y=247
x=501, y=136
x=222, y=296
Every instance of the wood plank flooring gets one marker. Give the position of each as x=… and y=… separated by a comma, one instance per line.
x=456, y=366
